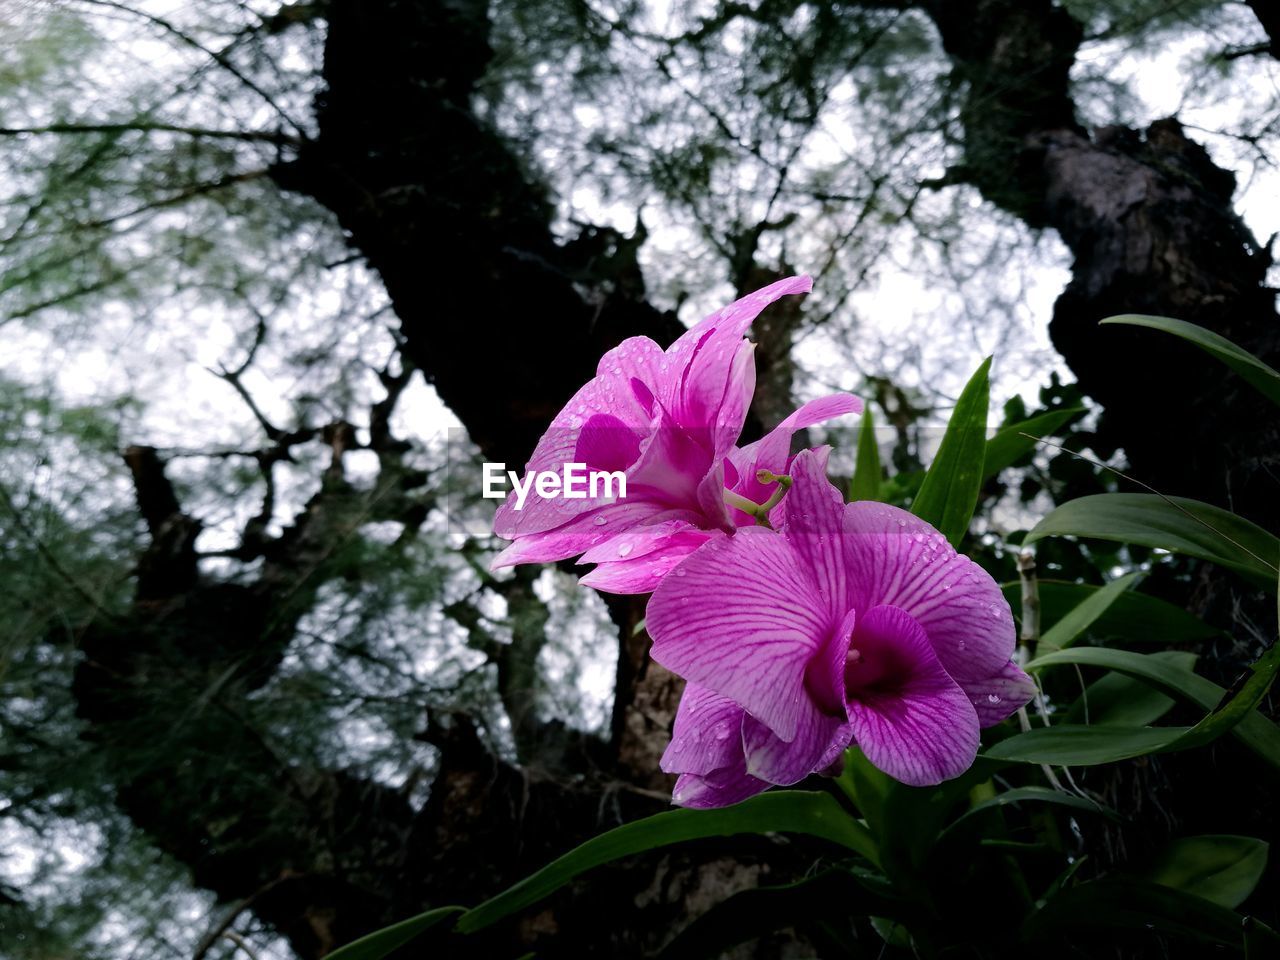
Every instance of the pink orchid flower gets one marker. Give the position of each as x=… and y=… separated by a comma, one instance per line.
x=668, y=421
x=850, y=622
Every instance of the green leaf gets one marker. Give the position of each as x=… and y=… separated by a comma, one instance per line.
x=949, y=493
x=763, y=910
x=1015, y=441
x=1120, y=700
x=1221, y=868
x=1260, y=941
x=382, y=942
x=1077, y=620
x=1076, y=745
x=1176, y=524
x=1073, y=745
x=1036, y=795
x=905, y=820
x=1113, y=908
x=1257, y=374
x=782, y=811
x=1131, y=616
x=867, y=471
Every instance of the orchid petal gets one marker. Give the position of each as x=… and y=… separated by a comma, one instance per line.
x=706, y=750
x=707, y=733
x=606, y=443
x=742, y=616
x=773, y=451
x=772, y=759
x=810, y=516
x=718, y=789
x=714, y=387
x=893, y=557
x=1000, y=695
x=637, y=560
x=584, y=532
x=908, y=716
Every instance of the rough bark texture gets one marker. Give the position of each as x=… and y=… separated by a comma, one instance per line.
x=1149, y=221
x=506, y=323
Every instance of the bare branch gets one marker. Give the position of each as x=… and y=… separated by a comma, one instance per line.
x=217, y=57
x=144, y=126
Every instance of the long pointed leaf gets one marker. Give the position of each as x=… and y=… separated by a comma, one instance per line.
x=1261, y=377
x=783, y=811
x=1130, y=618
x=1176, y=524
x=865, y=484
x=1015, y=441
x=1223, y=869
x=949, y=493
x=378, y=944
x=1077, y=620
x=1071, y=744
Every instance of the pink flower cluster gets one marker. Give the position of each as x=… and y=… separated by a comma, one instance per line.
x=801, y=623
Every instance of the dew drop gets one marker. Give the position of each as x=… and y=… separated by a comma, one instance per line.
x=600, y=521
x=992, y=698
x=625, y=548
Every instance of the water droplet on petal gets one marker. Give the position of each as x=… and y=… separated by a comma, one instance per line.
x=992, y=698
x=600, y=521
x=625, y=548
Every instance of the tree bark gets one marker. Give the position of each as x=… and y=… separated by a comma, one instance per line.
x=1148, y=218
x=507, y=324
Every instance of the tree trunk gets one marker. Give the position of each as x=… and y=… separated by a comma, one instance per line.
x=1148, y=218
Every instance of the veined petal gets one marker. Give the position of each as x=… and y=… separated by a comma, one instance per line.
x=743, y=617
x=1000, y=695
x=772, y=759
x=612, y=395
x=811, y=517
x=710, y=380
x=908, y=716
x=706, y=735
x=671, y=465
x=607, y=443
x=706, y=750
x=718, y=789
x=583, y=532
x=637, y=560
x=773, y=451
x=893, y=557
